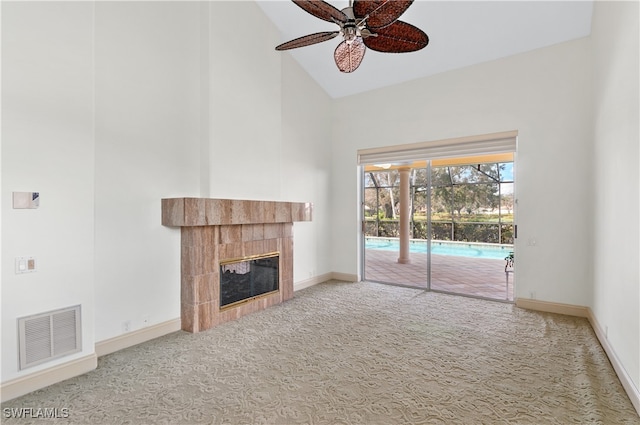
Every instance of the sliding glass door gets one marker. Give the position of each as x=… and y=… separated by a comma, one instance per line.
x=461, y=225
x=472, y=227
x=381, y=229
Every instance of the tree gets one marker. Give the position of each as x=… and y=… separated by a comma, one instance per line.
x=463, y=200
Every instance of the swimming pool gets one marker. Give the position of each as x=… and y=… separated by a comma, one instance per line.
x=460, y=249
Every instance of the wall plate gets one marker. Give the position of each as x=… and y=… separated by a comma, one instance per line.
x=25, y=265
x=26, y=200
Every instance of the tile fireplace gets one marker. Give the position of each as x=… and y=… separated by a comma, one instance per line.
x=221, y=236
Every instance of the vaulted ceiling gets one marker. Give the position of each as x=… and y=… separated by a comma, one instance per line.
x=461, y=33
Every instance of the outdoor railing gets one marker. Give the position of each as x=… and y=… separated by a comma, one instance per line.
x=487, y=232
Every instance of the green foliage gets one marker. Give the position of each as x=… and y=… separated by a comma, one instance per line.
x=466, y=203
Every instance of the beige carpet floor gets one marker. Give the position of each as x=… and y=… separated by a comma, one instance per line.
x=355, y=353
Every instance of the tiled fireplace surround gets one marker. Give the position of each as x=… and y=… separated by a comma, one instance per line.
x=214, y=230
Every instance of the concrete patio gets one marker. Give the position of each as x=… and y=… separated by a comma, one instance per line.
x=461, y=275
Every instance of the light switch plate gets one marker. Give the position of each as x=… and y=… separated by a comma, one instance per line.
x=26, y=200
x=25, y=265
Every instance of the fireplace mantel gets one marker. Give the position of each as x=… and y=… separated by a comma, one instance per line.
x=217, y=212
x=214, y=230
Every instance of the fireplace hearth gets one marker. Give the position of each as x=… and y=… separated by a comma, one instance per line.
x=217, y=237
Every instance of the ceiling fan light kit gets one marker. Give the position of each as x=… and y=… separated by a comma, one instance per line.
x=373, y=24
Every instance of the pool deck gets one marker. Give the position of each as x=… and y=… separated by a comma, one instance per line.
x=462, y=275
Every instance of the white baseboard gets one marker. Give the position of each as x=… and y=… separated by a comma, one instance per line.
x=130, y=339
x=310, y=282
x=323, y=278
x=625, y=379
x=35, y=381
x=346, y=277
x=580, y=311
x=550, y=307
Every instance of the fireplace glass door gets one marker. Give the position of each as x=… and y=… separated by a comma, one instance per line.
x=247, y=278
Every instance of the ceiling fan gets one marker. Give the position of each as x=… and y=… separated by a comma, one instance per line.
x=365, y=23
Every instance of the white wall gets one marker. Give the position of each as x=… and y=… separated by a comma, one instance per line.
x=246, y=109
x=47, y=147
x=109, y=107
x=545, y=95
x=306, y=167
x=616, y=180
x=147, y=80
x=270, y=128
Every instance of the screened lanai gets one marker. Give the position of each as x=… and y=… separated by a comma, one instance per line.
x=458, y=224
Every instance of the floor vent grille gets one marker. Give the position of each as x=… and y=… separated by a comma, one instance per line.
x=46, y=336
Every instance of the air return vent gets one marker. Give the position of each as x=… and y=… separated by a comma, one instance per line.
x=46, y=336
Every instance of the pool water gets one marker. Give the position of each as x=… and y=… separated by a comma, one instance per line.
x=460, y=249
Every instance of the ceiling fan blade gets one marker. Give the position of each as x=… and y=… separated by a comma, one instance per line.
x=349, y=56
x=323, y=10
x=398, y=37
x=381, y=12
x=308, y=40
